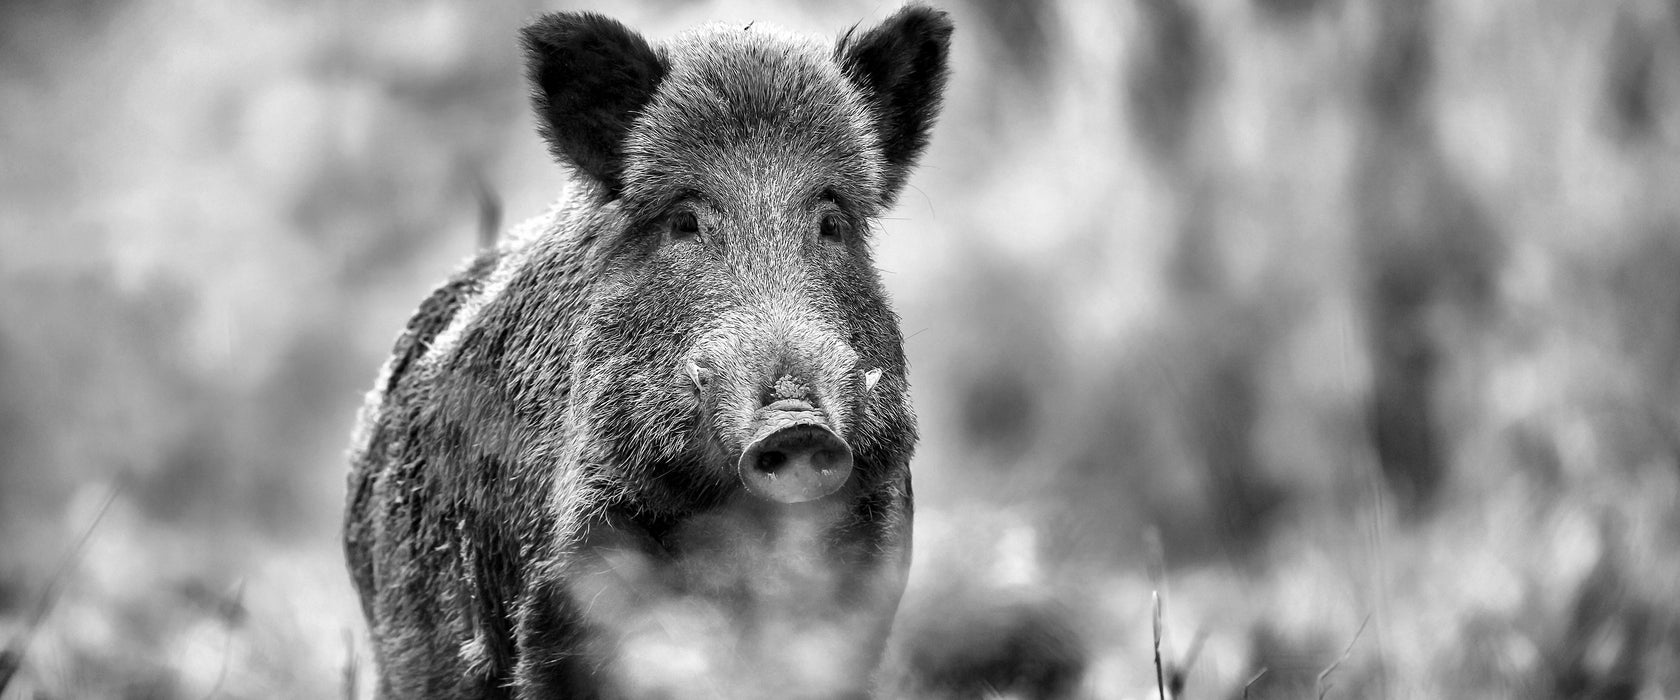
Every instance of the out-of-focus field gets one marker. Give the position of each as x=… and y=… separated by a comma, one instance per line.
x=1350, y=327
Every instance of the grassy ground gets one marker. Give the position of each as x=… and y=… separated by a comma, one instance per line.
x=1349, y=329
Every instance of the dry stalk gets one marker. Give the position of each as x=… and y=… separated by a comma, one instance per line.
x=1322, y=688
x=1252, y=680
x=11, y=659
x=1160, y=686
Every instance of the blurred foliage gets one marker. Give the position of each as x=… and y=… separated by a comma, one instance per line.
x=1300, y=312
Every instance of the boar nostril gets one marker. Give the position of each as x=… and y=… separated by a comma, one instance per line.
x=769, y=462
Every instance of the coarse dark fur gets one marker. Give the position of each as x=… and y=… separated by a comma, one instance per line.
x=543, y=498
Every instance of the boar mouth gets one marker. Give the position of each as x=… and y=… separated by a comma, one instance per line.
x=794, y=456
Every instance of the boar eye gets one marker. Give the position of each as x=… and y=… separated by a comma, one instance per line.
x=833, y=226
x=684, y=225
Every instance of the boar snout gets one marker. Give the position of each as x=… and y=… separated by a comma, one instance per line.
x=794, y=456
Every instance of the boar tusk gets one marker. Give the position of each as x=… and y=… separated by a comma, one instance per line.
x=699, y=375
x=869, y=379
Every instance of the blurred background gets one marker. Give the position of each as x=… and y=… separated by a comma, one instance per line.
x=1348, y=330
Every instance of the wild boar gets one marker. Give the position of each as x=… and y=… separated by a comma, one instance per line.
x=656, y=442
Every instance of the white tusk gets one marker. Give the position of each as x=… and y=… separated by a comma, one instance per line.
x=699, y=375
x=869, y=379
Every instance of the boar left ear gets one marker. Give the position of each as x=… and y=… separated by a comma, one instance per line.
x=900, y=67
x=590, y=75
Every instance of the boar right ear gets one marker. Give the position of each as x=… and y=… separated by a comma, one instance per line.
x=589, y=76
x=900, y=67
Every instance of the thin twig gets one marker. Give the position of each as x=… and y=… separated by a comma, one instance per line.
x=227, y=639
x=12, y=658
x=1252, y=680
x=350, y=663
x=489, y=210
x=1322, y=688
x=1180, y=675
x=1160, y=686
x=1157, y=576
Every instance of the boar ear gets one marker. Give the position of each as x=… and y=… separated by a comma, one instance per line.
x=589, y=76
x=900, y=67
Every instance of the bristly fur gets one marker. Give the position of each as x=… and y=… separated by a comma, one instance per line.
x=537, y=411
